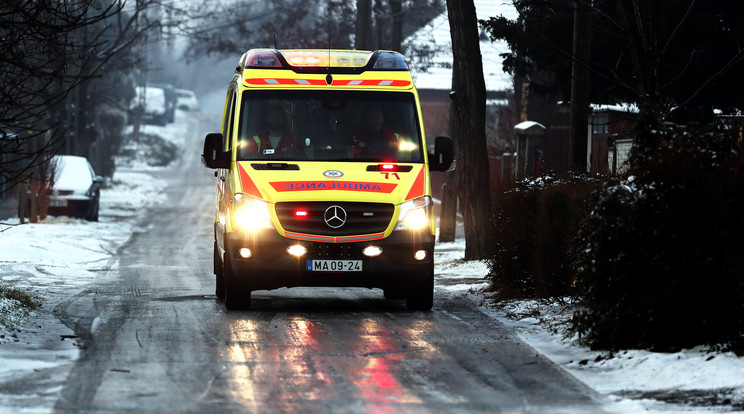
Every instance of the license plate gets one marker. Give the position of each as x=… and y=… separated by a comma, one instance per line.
x=334, y=265
x=58, y=203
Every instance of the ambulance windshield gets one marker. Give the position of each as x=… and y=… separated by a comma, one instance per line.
x=329, y=126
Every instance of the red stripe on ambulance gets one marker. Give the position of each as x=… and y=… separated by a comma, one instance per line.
x=320, y=82
x=417, y=189
x=249, y=187
x=282, y=186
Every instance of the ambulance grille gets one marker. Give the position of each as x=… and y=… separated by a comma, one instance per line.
x=361, y=218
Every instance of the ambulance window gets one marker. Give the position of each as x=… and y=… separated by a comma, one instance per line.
x=329, y=126
x=227, y=127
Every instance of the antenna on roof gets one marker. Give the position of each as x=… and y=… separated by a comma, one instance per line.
x=275, y=41
x=329, y=78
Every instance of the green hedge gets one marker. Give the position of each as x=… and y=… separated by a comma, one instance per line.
x=535, y=222
x=660, y=259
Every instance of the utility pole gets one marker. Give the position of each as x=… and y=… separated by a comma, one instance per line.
x=579, y=118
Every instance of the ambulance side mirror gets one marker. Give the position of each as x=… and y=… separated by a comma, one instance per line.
x=214, y=155
x=444, y=154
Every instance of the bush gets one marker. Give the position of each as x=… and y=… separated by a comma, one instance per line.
x=536, y=221
x=111, y=125
x=659, y=260
x=15, y=305
x=148, y=149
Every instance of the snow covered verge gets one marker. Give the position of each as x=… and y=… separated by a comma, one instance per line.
x=55, y=259
x=699, y=380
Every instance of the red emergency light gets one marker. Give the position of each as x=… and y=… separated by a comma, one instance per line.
x=262, y=59
x=301, y=213
x=389, y=167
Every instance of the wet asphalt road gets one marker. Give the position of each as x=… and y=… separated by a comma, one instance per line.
x=156, y=340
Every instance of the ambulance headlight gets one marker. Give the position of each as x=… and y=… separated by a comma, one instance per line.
x=414, y=214
x=251, y=213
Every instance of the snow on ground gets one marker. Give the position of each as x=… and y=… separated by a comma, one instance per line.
x=639, y=381
x=62, y=255
x=56, y=259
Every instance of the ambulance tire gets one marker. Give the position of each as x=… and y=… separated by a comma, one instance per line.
x=422, y=298
x=237, y=297
x=394, y=294
x=219, y=275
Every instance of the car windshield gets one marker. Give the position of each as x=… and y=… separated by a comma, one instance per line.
x=329, y=126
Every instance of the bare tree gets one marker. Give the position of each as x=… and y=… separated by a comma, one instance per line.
x=40, y=52
x=678, y=60
x=52, y=54
x=374, y=24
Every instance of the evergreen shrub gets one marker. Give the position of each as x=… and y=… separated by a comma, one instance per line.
x=660, y=259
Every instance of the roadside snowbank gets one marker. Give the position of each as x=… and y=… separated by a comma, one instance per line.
x=698, y=380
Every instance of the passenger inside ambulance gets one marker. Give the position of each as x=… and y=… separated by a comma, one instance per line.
x=273, y=137
x=376, y=138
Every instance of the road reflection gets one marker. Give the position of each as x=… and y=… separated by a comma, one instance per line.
x=297, y=364
x=242, y=359
x=378, y=382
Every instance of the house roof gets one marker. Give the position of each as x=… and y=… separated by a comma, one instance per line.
x=435, y=72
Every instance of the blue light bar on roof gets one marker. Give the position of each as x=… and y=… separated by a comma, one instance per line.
x=260, y=58
x=390, y=60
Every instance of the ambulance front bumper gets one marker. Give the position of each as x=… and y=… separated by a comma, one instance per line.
x=263, y=261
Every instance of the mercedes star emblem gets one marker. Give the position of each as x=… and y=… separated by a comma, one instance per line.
x=335, y=216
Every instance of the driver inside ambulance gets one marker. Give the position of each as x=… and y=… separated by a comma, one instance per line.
x=274, y=136
x=376, y=138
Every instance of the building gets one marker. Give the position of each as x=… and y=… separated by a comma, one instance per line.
x=429, y=54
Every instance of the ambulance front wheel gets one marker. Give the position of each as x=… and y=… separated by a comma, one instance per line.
x=422, y=297
x=394, y=294
x=219, y=278
x=237, y=296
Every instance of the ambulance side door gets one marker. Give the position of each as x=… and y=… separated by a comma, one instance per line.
x=224, y=174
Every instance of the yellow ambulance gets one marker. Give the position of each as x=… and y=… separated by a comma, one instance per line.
x=322, y=171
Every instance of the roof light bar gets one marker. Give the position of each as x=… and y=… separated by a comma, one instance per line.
x=326, y=58
x=320, y=58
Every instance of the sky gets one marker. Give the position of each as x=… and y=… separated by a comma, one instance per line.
x=61, y=256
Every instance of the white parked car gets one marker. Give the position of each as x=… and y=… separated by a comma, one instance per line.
x=153, y=104
x=76, y=188
x=186, y=100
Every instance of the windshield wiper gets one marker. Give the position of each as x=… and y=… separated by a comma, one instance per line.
x=274, y=166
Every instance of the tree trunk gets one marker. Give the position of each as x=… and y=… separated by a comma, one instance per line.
x=396, y=38
x=363, y=18
x=469, y=101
